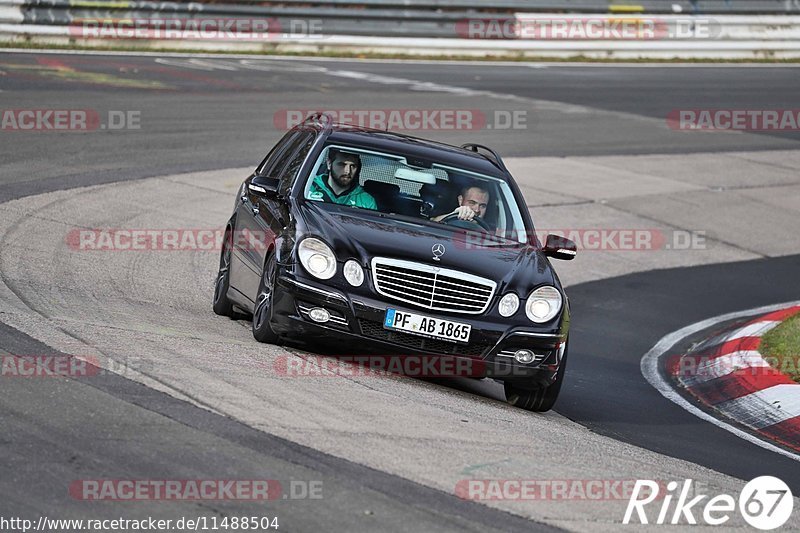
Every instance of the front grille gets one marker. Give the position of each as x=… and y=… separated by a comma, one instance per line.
x=375, y=330
x=439, y=289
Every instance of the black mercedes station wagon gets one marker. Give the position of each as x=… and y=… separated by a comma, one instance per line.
x=392, y=244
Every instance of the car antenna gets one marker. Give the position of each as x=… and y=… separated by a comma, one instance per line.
x=495, y=157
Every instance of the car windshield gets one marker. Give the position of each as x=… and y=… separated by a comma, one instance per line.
x=387, y=183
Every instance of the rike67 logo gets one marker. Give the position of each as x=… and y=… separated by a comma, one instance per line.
x=765, y=503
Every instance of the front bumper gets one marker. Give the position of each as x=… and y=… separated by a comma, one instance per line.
x=357, y=324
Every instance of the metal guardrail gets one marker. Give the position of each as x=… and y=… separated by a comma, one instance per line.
x=706, y=7
x=424, y=26
x=417, y=18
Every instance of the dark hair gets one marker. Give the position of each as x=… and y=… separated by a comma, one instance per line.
x=335, y=152
x=469, y=186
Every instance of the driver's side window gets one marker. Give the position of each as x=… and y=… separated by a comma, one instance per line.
x=269, y=164
x=288, y=168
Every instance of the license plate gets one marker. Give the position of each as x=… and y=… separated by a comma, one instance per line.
x=426, y=326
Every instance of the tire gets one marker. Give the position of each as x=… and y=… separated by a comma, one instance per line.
x=222, y=305
x=262, y=329
x=541, y=399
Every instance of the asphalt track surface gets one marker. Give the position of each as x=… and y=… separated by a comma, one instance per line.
x=188, y=106
x=206, y=116
x=630, y=314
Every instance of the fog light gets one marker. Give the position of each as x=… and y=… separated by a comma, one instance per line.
x=319, y=314
x=524, y=356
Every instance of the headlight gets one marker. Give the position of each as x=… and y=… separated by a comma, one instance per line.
x=353, y=273
x=317, y=258
x=508, y=304
x=543, y=304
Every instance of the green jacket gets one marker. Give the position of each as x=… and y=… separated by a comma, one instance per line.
x=356, y=196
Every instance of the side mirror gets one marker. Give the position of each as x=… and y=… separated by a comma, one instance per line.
x=559, y=247
x=264, y=186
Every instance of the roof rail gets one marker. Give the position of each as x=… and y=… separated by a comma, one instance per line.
x=325, y=120
x=493, y=156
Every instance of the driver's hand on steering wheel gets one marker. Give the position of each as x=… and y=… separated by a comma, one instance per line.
x=464, y=212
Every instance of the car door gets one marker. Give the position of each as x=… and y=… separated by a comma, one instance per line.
x=265, y=214
x=273, y=209
x=244, y=269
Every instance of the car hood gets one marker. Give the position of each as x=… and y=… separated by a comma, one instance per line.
x=363, y=235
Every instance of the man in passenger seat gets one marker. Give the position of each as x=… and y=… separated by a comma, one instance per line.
x=340, y=184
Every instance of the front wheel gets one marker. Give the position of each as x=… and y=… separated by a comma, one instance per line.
x=262, y=329
x=540, y=399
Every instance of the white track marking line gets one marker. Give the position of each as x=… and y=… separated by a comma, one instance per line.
x=756, y=329
x=649, y=368
x=172, y=62
x=267, y=65
x=219, y=64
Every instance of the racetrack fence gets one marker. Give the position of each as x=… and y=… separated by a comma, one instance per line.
x=560, y=28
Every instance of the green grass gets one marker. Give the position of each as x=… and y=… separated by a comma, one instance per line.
x=781, y=347
x=358, y=55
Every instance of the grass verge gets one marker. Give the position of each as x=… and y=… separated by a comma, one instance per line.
x=781, y=347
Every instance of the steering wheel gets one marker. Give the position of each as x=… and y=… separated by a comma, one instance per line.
x=453, y=220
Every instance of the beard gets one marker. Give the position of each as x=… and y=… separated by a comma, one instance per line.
x=343, y=180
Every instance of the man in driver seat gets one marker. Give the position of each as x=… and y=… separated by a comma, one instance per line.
x=340, y=184
x=472, y=202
